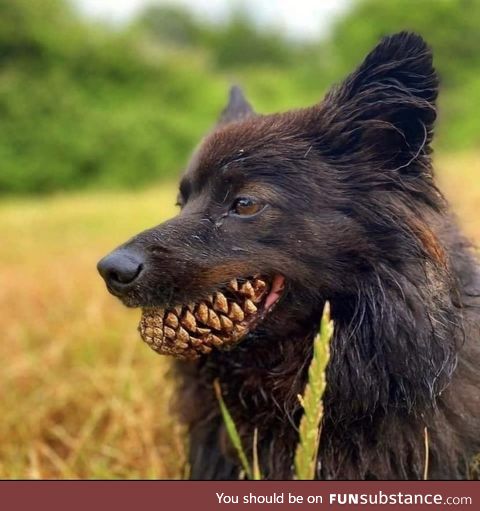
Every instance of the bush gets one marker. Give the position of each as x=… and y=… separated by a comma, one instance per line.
x=83, y=105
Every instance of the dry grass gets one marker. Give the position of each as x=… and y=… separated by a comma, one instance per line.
x=80, y=394
x=459, y=179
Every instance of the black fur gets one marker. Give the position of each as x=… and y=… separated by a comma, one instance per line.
x=352, y=216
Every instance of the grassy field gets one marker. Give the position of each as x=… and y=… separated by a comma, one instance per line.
x=80, y=395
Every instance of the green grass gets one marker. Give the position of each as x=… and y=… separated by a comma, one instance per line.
x=80, y=394
x=233, y=434
x=312, y=402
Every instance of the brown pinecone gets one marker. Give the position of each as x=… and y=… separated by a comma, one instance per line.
x=188, y=331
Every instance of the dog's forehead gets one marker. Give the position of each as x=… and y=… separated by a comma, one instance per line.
x=227, y=144
x=256, y=137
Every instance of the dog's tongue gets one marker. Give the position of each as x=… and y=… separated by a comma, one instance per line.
x=275, y=291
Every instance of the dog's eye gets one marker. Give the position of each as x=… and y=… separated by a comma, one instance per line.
x=246, y=206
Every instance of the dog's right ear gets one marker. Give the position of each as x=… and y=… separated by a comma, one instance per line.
x=238, y=107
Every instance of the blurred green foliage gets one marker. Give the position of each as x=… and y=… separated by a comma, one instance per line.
x=84, y=105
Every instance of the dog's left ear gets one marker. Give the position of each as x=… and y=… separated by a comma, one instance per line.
x=237, y=108
x=384, y=112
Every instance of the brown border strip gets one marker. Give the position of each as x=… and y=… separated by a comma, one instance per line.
x=199, y=496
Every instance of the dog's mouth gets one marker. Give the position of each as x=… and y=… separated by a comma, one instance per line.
x=221, y=321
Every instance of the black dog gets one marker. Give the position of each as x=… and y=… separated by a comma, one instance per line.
x=334, y=202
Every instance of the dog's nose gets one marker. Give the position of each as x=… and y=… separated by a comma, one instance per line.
x=121, y=269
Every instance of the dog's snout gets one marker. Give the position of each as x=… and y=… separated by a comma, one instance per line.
x=121, y=269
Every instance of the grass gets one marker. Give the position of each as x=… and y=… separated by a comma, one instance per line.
x=312, y=402
x=80, y=394
x=234, y=436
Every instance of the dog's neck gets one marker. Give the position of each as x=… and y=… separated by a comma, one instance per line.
x=394, y=347
x=395, y=343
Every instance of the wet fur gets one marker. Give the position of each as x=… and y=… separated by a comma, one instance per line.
x=355, y=218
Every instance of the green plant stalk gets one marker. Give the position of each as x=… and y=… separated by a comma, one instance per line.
x=311, y=401
x=257, y=474
x=427, y=454
x=232, y=431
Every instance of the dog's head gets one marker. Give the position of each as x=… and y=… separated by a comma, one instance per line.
x=280, y=212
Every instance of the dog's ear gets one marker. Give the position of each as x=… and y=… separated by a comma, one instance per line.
x=237, y=107
x=383, y=112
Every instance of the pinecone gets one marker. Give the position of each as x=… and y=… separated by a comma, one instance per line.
x=189, y=331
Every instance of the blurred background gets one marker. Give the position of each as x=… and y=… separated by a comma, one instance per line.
x=101, y=103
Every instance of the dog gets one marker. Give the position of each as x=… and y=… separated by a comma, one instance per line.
x=280, y=213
